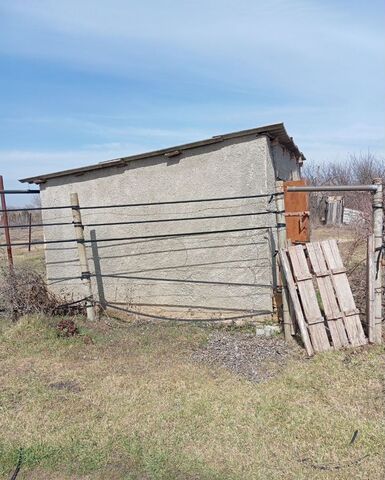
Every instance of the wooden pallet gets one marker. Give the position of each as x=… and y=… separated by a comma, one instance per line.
x=321, y=298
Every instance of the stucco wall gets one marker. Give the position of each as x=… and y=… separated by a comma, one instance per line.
x=225, y=275
x=286, y=166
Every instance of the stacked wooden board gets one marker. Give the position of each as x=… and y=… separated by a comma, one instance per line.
x=321, y=299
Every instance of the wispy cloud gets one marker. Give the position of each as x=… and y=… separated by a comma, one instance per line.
x=87, y=81
x=223, y=40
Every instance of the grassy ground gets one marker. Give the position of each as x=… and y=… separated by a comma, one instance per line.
x=131, y=404
x=21, y=256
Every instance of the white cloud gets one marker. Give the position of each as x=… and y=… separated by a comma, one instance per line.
x=299, y=45
x=318, y=66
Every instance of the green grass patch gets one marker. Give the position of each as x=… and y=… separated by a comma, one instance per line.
x=131, y=404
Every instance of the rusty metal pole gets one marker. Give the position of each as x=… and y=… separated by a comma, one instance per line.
x=6, y=224
x=83, y=259
x=378, y=225
x=29, y=231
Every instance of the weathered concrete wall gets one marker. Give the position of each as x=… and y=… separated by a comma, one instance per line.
x=286, y=166
x=225, y=275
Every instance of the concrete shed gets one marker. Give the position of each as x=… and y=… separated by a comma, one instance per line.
x=223, y=275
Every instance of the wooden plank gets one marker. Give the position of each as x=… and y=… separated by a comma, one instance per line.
x=331, y=308
x=293, y=326
x=344, y=294
x=352, y=311
x=370, y=299
x=295, y=302
x=297, y=213
x=335, y=209
x=312, y=312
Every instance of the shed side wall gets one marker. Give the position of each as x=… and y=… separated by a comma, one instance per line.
x=224, y=275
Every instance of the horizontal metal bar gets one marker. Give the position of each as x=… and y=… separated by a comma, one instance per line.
x=17, y=192
x=334, y=188
x=141, y=237
x=176, y=202
x=171, y=202
x=37, y=225
x=33, y=209
x=161, y=220
x=136, y=222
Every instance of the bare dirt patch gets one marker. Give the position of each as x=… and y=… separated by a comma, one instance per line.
x=255, y=357
x=70, y=386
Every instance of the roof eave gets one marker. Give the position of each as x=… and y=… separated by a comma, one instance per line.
x=273, y=131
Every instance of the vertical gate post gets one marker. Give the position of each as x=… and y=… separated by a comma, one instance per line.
x=84, y=266
x=378, y=224
x=281, y=237
x=370, y=297
x=29, y=231
x=6, y=224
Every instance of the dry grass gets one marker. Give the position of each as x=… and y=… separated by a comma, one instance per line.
x=21, y=256
x=133, y=405
x=23, y=291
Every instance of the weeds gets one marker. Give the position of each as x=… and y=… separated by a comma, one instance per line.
x=23, y=291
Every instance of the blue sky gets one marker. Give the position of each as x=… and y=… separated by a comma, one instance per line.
x=84, y=81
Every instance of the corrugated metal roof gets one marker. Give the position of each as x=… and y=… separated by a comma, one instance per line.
x=276, y=131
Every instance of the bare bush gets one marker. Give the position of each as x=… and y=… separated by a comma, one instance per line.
x=356, y=170
x=22, y=217
x=23, y=291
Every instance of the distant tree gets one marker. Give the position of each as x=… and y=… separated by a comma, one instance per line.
x=355, y=170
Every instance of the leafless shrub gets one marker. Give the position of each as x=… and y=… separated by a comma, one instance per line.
x=22, y=217
x=23, y=291
x=357, y=169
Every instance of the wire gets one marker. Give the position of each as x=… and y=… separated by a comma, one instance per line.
x=30, y=209
x=173, y=202
x=75, y=302
x=169, y=202
x=37, y=225
x=119, y=276
x=141, y=237
x=253, y=313
x=136, y=222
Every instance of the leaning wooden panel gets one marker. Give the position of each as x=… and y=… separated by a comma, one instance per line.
x=331, y=308
x=309, y=299
x=344, y=294
x=295, y=302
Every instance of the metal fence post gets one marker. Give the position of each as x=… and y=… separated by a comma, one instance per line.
x=29, y=231
x=281, y=237
x=378, y=224
x=370, y=297
x=84, y=267
x=6, y=224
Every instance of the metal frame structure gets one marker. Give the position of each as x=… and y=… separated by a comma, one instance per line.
x=375, y=247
